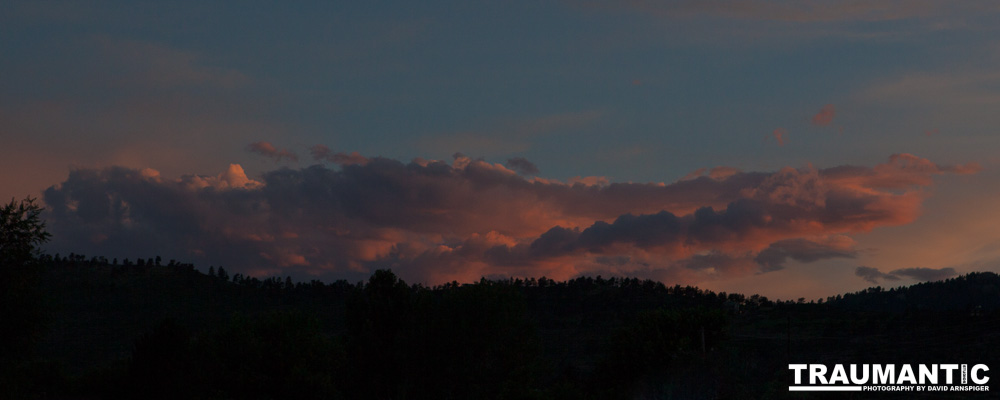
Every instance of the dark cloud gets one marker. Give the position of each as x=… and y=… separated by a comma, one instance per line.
x=644, y=231
x=522, y=166
x=433, y=221
x=873, y=274
x=920, y=274
x=804, y=250
x=268, y=150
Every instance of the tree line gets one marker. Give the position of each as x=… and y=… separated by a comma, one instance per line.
x=98, y=328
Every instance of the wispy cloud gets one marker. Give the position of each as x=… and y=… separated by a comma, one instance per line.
x=796, y=11
x=322, y=153
x=825, y=115
x=926, y=274
x=268, y=150
x=510, y=136
x=780, y=135
x=938, y=89
x=155, y=65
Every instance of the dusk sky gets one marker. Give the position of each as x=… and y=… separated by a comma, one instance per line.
x=787, y=148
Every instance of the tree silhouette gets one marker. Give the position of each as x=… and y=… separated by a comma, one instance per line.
x=377, y=317
x=21, y=232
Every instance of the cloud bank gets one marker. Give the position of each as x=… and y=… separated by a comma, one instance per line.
x=920, y=274
x=432, y=221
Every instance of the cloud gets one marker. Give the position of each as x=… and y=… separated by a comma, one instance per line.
x=716, y=173
x=825, y=115
x=902, y=170
x=102, y=101
x=780, y=136
x=268, y=150
x=589, y=180
x=522, y=166
x=323, y=153
x=805, y=250
x=926, y=274
x=920, y=274
x=960, y=89
x=511, y=135
x=794, y=11
x=155, y=65
x=873, y=275
x=433, y=222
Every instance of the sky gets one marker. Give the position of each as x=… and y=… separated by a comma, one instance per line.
x=787, y=148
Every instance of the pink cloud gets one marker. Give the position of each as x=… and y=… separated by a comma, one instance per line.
x=589, y=180
x=432, y=221
x=825, y=115
x=780, y=135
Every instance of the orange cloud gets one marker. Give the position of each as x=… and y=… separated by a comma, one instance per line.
x=268, y=150
x=323, y=153
x=432, y=221
x=589, y=180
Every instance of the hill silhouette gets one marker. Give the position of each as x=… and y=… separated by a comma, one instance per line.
x=154, y=329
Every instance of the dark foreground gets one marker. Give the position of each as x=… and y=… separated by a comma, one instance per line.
x=95, y=330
